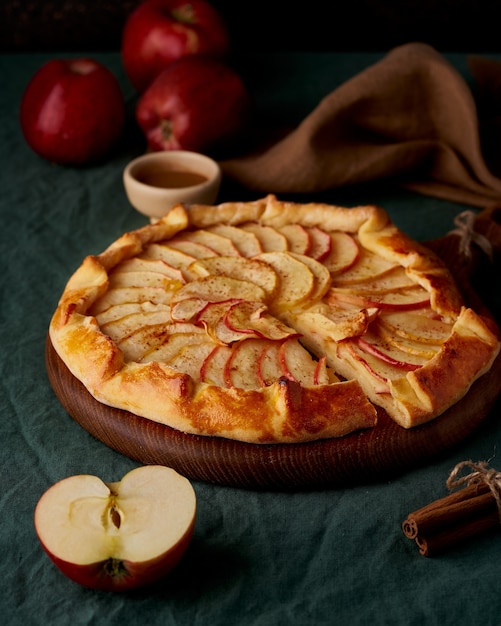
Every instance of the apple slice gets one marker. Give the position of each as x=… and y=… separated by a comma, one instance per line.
x=190, y=359
x=117, y=536
x=368, y=266
x=343, y=253
x=379, y=348
x=337, y=324
x=372, y=376
x=187, y=310
x=409, y=346
x=192, y=248
x=120, y=279
x=269, y=364
x=123, y=295
x=417, y=326
x=173, y=257
x=116, y=312
x=146, y=339
x=213, y=368
x=270, y=238
x=404, y=300
x=298, y=238
x=252, y=270
x=220, y=288
x=321, y=274
x=242, y=369
x=124, y=326
x=394, y=280
x=320, y=243
x=159, y=266
x=218, y=243
x=296, y=280
x=251, y=318
x=172, y=345
x=246, y=242
x=298, y=364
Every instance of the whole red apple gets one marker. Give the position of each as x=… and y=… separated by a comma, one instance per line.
x=117, y=536
x=196, y=104
x=158, y=32
x=72, y=111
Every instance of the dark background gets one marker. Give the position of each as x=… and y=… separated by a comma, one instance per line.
x=351, y=25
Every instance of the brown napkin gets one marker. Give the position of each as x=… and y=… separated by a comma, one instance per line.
x=410, y=117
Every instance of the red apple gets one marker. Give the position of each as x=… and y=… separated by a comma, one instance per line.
x=195, y=104
x=72, y=111
x=117, y=536
x=159, y=32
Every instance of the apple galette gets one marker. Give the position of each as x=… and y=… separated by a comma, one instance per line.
x=271, y=321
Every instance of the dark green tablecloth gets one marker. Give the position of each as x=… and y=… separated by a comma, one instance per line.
x=258, y=558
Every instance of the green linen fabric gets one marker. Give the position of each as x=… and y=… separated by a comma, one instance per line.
x=258, y=558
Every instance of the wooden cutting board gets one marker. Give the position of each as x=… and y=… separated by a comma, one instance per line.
x=382, y=452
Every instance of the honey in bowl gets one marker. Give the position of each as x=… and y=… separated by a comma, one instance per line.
x=170, y=179
x=157, y=181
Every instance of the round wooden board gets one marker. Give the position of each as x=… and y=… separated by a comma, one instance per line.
x=379, y=453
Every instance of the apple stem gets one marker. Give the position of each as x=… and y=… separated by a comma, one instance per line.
x=184, y=14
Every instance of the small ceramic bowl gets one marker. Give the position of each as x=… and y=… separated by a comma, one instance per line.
x=156, y=181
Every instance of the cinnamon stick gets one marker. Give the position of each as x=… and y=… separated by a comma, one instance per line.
x=458, y=517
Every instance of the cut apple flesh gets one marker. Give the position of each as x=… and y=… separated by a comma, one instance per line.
x=139, y=521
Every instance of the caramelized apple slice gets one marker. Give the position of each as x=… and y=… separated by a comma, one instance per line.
x=252, y=270
x=298, y=238
x=216, y=242
x=269, y=238
x=343, y=253
x=246, y=242
x=296, y=280
x=220, y=288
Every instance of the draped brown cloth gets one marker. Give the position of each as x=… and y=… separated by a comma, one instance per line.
x=411, y=117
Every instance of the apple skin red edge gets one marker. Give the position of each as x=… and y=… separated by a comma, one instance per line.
x=119, y=576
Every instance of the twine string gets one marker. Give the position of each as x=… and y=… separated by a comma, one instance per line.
x=464, y=223
x=481, y=473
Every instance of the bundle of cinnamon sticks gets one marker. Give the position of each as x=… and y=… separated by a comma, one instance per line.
x=471, y=511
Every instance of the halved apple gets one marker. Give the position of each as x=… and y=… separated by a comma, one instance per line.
x=117, y=536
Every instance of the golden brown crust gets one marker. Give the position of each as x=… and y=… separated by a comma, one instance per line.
x=126, y=357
